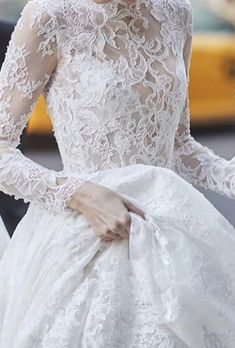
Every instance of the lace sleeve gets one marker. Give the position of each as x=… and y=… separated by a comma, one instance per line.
x=197, y=163
x=29, y=63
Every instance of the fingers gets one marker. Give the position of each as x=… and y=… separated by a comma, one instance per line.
x=134, y=209
x=111, y=236
x=122, y=233
x=118, y=230
x=123, y=225
x=116, y=225
x=109, y=233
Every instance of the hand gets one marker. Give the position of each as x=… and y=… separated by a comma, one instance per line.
x=106, y=210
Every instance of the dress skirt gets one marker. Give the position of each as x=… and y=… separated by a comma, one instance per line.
x=4, y=237
x=170, y=285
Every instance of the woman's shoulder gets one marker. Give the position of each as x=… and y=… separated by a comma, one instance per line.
x=43, y=15
x=47, y=8
x=179, y=12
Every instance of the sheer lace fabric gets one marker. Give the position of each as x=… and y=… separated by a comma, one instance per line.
x=170, y=285
x=115, y=80
x=30, y=60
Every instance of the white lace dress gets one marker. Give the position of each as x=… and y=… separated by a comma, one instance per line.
x=115, y=78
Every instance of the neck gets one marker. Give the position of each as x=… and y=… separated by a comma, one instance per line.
x=129, y=2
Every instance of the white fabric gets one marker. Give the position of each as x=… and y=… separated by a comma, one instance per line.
x=115, y=78
x=171, y=285
x=4, y=238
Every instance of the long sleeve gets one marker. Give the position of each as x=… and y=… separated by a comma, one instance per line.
x=29, y=63
x=197, y=163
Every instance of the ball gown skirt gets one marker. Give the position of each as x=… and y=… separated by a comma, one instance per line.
x=170, y=285
x=4, y=237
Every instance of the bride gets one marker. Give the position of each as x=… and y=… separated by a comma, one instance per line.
x=118, y=250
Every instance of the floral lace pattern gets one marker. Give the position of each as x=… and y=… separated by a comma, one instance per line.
x=21, y=82
x=115, y=80
x=171, y=285
x=124, y=76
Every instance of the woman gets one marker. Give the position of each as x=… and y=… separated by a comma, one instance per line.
x=117, y=250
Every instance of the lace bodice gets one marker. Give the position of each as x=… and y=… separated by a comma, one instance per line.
x=115, y=79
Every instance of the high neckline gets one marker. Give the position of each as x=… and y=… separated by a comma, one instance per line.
x=109, y=8
x=115, y=1
x=112, y=4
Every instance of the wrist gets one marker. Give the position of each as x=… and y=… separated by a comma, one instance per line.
x=79, y=197
x=67, y=191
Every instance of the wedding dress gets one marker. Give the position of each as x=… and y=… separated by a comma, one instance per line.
x=4, y=237
x=118, y=100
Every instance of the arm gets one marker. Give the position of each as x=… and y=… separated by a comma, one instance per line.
x=30, y=61
x=195, y=162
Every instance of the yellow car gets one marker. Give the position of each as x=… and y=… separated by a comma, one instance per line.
x=212, y=76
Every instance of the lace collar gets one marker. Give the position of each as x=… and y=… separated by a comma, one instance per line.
x=110, y=6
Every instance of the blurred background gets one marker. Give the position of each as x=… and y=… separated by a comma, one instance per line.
x=212, y=97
